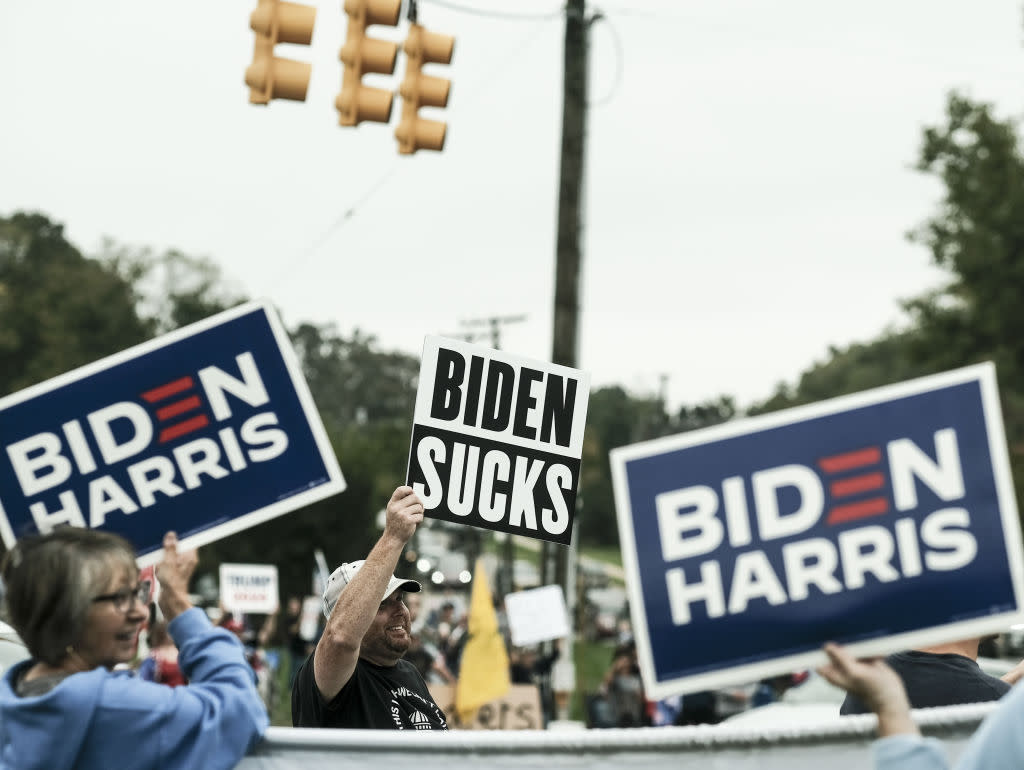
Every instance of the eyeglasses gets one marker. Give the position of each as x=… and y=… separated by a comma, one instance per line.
x=125, y=599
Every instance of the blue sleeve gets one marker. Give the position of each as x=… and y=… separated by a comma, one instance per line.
x=999, y=741
x=147, y=669
x=220, y=713
x=997, y=744
x=210, y=723
x=909, y=752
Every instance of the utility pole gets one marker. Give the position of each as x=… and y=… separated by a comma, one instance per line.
x=565, y=343
x=568, y=258
x=494, y=326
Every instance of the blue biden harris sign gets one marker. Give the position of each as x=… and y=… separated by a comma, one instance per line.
x=207, y=430
x=882, y=520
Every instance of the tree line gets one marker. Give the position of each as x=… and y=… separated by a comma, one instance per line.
x=61, y=308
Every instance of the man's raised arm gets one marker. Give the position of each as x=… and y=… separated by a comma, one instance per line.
x=338, y=649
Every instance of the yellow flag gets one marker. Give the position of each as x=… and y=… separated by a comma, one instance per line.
x=483, y=671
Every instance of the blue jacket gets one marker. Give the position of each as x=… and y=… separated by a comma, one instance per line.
x=97, y=720
x=997, y=744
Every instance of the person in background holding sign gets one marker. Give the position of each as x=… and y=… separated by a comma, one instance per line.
x=356, y=676
x=997, y=743
x=75, y=598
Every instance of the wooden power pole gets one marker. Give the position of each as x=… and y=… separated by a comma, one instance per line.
x=565, y=343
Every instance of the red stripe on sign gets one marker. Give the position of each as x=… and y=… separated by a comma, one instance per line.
x=844, y=462
x=169, y=434
x=855, y=484
x=178, y=407
x=165, y=391
x=876, y=506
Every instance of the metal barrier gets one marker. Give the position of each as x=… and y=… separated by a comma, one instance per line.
x=837, y=744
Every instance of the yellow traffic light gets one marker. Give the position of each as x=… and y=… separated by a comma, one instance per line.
x=361, y=55
x=270, y=77
x=420, y=90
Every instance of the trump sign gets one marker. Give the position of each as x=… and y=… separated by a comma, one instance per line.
x=207, y=430
x=882, y=520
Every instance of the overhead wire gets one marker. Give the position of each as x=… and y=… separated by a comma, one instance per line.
x=458, y=7
x=644, y=14
x=619, y=59
x=348, y=214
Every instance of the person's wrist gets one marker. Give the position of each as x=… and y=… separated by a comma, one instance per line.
x=173, y=603
x=894, y=719
x=394, y=539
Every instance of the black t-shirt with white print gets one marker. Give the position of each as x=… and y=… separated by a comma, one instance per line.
x=375, y=697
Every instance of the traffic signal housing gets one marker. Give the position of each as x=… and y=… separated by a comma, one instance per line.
x=361, y=55
x=271, y=77
x=421, y=90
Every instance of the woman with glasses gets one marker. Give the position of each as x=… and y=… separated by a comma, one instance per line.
x=75, y=598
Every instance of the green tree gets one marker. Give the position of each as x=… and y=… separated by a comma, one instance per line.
x=365, y=398
x=58, y=309
x=616, y=418
x=856, y=367
x=977, y=235
x=172, y=289
x=354, y=382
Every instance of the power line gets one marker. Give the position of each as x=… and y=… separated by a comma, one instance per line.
x=619, y=59
x=300, y=259
x=495, y=14
x=513, y=53
x=642, y=14
x=293, y=267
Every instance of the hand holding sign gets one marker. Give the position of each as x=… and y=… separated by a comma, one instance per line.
x=875, y=683
x=404, y=514
x=174, y=572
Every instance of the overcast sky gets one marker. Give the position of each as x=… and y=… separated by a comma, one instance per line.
x=749, y=169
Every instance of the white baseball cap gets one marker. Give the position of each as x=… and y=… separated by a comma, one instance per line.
x=342, y=576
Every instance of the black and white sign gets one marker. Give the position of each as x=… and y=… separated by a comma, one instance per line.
x=497, y=439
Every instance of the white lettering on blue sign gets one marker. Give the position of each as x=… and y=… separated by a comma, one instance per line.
x=126, y=429
x=690, y=525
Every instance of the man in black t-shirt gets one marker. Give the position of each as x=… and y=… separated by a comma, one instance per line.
x=943, y=675
x=356, y=676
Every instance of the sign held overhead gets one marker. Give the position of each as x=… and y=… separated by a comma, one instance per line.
x=497, y=439
x=207, y=430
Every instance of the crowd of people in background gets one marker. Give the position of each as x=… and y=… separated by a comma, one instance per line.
x=439, y=629
x=375, y=640
x=439, y=624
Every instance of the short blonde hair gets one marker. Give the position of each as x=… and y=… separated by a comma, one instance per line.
x=51, y=580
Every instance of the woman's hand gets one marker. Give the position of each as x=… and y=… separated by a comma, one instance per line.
x=174, y=573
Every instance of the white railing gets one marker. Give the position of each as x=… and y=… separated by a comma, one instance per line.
x=835, y=744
